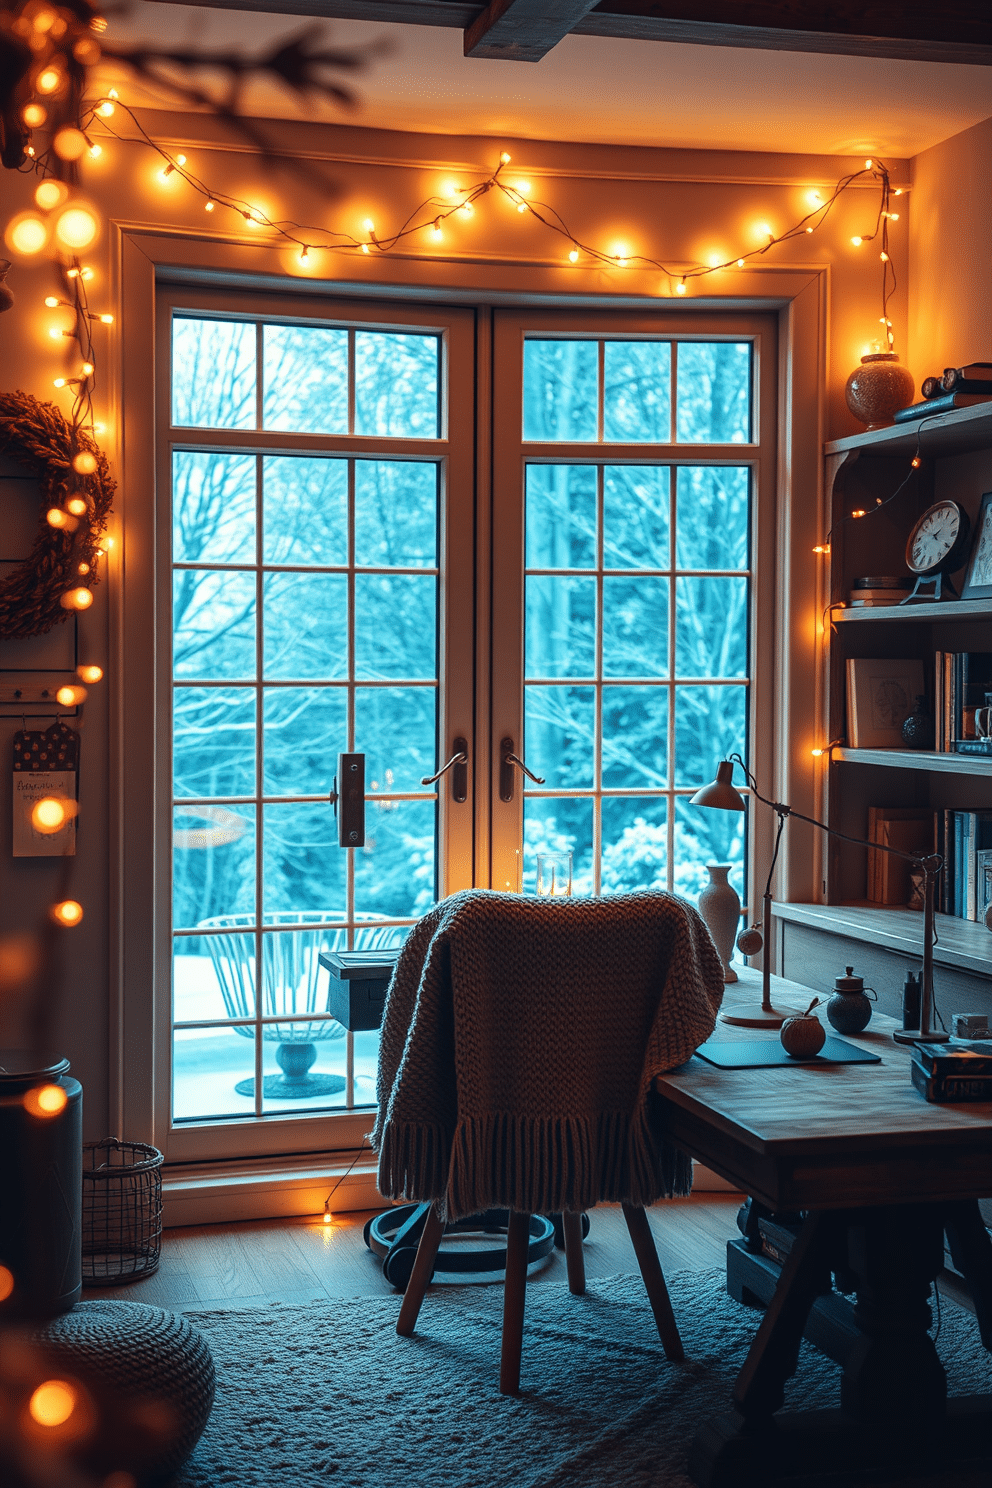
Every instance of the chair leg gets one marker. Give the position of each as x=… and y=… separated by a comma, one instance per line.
x=423, y=1269
x=514, y=1295
x=572, y=1226
x=654, y=1281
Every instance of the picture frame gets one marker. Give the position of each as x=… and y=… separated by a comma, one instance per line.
x=881, y=693
x=983, y=883
x=978, y=574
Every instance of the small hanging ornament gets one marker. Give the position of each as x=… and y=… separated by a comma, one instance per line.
x=46, y=774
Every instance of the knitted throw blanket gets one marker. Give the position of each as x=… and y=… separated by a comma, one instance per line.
x=519, y=1044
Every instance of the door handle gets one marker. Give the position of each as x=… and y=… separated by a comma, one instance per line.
x=508, y=762
x=350, y=797
x=458, y=765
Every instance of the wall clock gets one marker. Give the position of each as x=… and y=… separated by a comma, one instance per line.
x=936, y=547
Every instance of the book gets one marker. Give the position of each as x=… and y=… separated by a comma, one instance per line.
x=971, y=1057
x=945, y=403
x=976, y=377
x=881, y=693
x=910, y=829
x=950, y=1089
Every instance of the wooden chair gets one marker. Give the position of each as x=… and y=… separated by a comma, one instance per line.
x=514, y=1294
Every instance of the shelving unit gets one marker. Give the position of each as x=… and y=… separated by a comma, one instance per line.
x=861, y=471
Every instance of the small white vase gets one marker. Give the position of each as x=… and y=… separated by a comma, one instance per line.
x=721, y=910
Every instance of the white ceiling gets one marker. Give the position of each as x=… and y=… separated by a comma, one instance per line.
x=602, y=90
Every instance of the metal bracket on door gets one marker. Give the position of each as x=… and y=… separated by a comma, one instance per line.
x=508, y=762
x=458, y=765
x=351, y=799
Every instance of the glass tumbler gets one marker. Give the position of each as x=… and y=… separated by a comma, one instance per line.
x=554, y=875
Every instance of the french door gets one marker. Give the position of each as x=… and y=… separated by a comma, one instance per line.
x=351, y=571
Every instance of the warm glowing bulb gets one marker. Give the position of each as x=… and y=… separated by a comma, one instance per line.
x=59, y=382
x=48, y=815
x=69, y=912
x=105, y=110
x=740, y=263
x=884, y=257
x=95, y=152
x=48, y=80
x=816, y=753
x=164, y=175
x=208, y=205
x=105, y=319
x=77, y=599
x=814, y=198
x=369, y=225
x=6, y=1283
x=521, y=207
x=87, y=369
x=51, y=194
x=71, y=697
x=180, y=159
x=916, y=462
x=86, y=274
x=34, y=115
x=328, y=1218
x=857, y=242
x=52, y=1403
x=573, y=256
x=859, y=513
x=77, y=227
x=52, y=302
x=867, y=165
x=822, y=548
x=898, y=191
x=56, y=517
x=365, y=247
x=55, y=333
x=450, y=190
x=112, y=93
x=27, y=233
x=809, y=229
x=304, y=254
x=90, y=673
x=467, y=210
x=524, y=187
x=680, y=287
x=84, y=464
x=504, y=158
x=622, y=262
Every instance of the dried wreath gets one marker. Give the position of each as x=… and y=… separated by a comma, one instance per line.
x=64, y=558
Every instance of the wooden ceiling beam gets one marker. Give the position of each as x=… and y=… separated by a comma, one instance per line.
x=522, y=30
x=912, y=30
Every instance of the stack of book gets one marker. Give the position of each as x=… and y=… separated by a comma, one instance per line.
x=955, y=1071
x=961, y=680
x=965, y=843
x=960, y=387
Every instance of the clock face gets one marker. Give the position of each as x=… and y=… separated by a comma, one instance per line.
x=933, y=537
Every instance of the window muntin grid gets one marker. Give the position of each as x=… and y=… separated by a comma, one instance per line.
x=306, y=599
x=637, y=606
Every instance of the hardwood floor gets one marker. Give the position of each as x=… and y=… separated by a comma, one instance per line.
x=303, y=1260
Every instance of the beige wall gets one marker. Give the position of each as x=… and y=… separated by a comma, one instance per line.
x=680, y=205
x=950, y=253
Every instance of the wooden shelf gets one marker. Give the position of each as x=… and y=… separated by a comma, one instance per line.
x=954, y=433
x=965, y=944
x=917, y=759
x=948, y=609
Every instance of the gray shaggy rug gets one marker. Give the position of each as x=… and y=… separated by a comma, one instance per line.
x=327, y=1394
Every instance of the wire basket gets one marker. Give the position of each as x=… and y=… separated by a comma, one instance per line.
x=122, y=1210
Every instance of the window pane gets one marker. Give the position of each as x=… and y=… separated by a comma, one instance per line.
x=395, y=514
x=213, y=373
x=214, y=624
x=561, y=516
x=714, y=401
x=394, y=871
x=711, y=627
x=560, y=735
x=306, y=629
x=396, y=729
x=304, y=869
x=635, y=737
x=305, y=730
x=636, y=516
x=209, y=1064
x=305, y=510
x=561, y=627
x=635, y=843
x=213, y=977
x=213, y=750
x=294, y=982
x=712, y=516
x=710, y=724
x=213, y=863
x=301, y=1070
x=637, y=391
x=306, y=379
x=395, y=626
x=213, y=507
x=561, y=389
x=562, y=823
x=635, y=627
x=705, y=836
x=396, y=385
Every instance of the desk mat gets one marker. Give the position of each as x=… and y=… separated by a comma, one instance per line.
x=764, y=1053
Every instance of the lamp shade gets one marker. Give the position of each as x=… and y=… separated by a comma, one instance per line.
x=721, y=791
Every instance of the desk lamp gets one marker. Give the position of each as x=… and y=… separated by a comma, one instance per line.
x=722, y=794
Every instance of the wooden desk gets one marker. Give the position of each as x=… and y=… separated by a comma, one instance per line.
x=883, y=1175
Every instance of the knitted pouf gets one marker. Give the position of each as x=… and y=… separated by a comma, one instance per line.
x=151, y=1376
